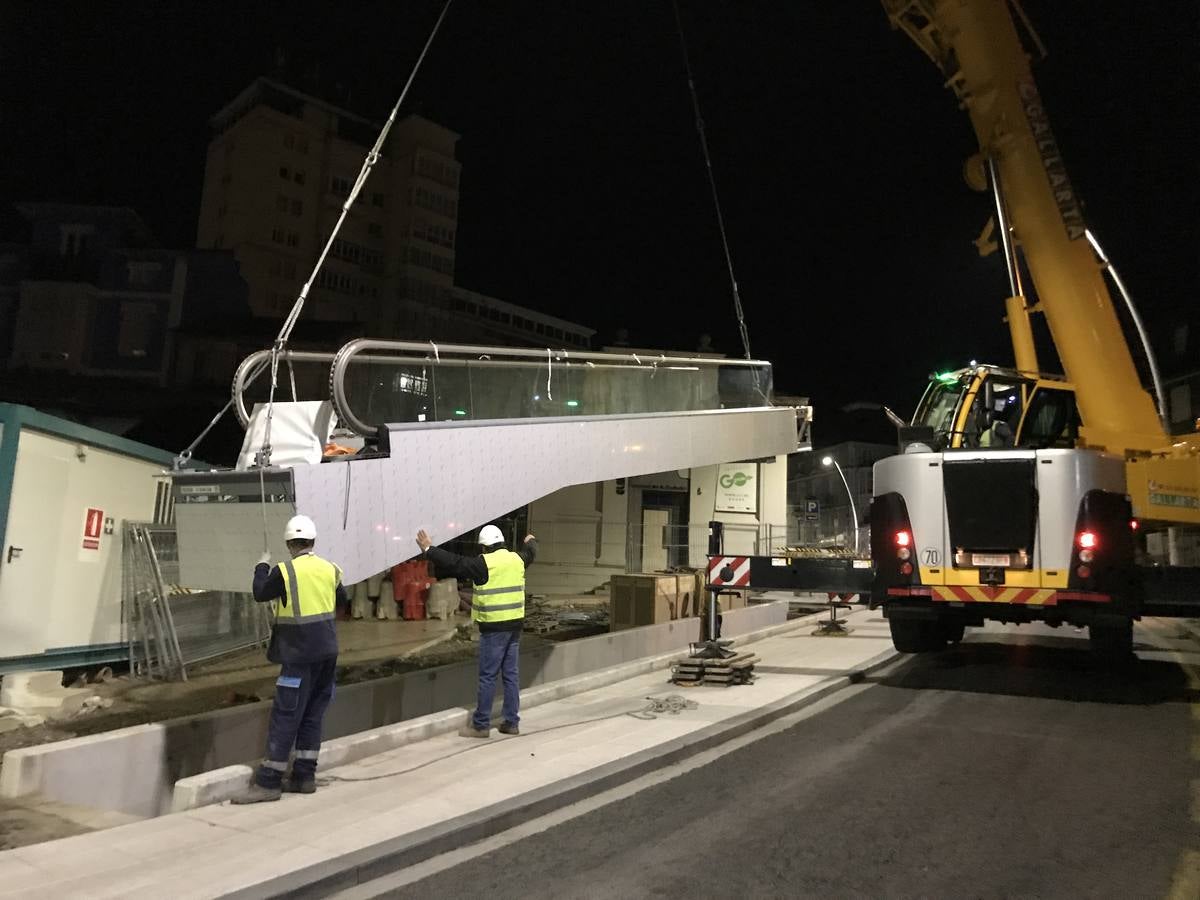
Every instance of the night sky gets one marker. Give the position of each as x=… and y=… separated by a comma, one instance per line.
x=836, y=150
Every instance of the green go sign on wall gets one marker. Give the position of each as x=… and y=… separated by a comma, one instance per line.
x=737, y=488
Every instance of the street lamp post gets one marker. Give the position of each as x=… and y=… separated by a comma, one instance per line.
x=830, y=461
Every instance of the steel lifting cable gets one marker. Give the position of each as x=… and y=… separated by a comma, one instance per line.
x=264, y=454
x=185, y=455
x=712, y=183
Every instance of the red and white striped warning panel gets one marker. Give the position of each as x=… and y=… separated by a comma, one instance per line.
x=739, y=564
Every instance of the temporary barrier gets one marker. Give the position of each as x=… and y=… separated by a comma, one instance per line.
x=171, y=627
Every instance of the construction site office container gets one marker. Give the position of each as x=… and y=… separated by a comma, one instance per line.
x=65, y=491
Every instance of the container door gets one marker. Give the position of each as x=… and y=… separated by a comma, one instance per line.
x=30, y=559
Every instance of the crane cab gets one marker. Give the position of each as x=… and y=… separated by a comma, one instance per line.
x=989, y=407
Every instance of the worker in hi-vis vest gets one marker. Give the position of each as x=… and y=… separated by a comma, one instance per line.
x=306, y=591
x=498, y=607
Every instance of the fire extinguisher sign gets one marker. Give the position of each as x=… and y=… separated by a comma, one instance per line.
x=93, y=527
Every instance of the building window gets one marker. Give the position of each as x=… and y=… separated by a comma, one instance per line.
x=435, y=201
x=276, y=268
x=135, y=330
x=374, y=229
x=143, y=273
x=281, y=203
x=377, y=200
x=443, y=172
x=297, y=207
x=293, y=239
x=339, y=186
x=75, y=239
x=277, y=235
x=299, y=177
x=289, y=141
x=284, y=173
x=301, y=145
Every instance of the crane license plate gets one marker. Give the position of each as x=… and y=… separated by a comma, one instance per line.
x=991, y=559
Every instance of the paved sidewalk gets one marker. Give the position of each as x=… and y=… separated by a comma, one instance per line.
x=413, y=802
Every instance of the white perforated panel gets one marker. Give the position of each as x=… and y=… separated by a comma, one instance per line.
x=450, y=478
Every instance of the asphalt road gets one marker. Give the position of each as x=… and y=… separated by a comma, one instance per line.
x=1006, y=768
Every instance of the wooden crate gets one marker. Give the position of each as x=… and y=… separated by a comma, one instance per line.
x=734, y=599
x=693, y=596
x=641, y=599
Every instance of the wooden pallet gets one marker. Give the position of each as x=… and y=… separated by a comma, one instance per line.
x=737, y=669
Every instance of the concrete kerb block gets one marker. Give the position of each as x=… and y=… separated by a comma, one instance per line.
x=588, y=681
x=223, y=784
x=344, y=750
x=210, y=787
x=28, y=770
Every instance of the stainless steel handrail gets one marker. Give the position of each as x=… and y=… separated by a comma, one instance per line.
x=259, y=362
x=547, y=356
x=468, y=355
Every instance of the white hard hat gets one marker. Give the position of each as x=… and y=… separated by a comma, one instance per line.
x=300, y=528
x=489, y=535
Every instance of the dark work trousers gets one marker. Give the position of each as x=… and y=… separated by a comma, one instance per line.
x=302, y=694
x=499, y=652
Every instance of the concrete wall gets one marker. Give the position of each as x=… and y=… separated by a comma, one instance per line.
x=743, y=529
x=134, y=770
x=584, y=531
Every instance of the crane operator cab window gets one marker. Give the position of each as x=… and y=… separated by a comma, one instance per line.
x=995, y=414
x=1052, y=420
x=938, y=408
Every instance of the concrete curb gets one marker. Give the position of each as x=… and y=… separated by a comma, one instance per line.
x=225, y=783
x=393, y=854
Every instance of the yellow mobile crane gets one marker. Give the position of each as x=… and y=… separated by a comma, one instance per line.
x=975, y=45
x=1018, y=494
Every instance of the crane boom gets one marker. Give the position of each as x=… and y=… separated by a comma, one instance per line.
x=975, y=45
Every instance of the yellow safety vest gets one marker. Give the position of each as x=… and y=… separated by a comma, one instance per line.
x=502, y=598
x=310, y=585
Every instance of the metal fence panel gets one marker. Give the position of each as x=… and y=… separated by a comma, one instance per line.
x=172, y=627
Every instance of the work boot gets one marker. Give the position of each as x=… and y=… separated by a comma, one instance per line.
x=299, y=785
x=508, y=728
x=256, y=793
x=473, y=732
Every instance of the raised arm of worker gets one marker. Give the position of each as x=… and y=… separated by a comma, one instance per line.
x=528, y=551
x=472, y=567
